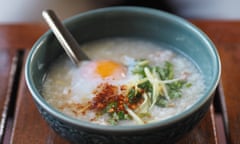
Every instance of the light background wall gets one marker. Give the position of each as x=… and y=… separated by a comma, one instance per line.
x=207, y=9
x=18, y=11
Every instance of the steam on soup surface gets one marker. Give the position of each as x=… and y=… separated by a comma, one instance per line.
x=127, y=81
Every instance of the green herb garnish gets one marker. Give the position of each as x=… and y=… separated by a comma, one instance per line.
x=156, y=86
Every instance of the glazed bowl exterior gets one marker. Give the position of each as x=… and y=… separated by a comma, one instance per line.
x=134, y=22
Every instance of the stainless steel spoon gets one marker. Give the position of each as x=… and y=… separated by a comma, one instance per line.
x=65, y=38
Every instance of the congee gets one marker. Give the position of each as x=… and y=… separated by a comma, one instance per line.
x=127, y=81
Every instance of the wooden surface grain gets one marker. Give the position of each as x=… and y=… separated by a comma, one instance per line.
x=27, y=126
x=20, y=36
x=226, y=37
x=7, y=69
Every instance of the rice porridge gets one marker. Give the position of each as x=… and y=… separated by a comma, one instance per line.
x=127, y=81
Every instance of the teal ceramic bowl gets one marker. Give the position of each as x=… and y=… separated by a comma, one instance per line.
x=137, y=22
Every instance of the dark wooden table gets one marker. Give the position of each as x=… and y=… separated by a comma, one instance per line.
x=22, y=124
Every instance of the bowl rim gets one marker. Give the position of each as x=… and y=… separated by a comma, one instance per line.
x=133, y=128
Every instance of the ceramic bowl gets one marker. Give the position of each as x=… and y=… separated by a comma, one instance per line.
x=137, y=22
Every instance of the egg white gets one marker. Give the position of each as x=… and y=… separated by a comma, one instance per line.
x=85, y=80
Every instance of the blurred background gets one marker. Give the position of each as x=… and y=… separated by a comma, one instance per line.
x=21, y=11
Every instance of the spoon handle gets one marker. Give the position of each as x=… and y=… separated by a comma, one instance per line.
x=65, y=38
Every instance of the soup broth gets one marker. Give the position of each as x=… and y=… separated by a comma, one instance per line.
x=127, y=81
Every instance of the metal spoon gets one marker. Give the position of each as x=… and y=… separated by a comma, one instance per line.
x=65, y=38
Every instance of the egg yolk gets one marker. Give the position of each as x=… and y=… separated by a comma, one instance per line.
x=107, y=68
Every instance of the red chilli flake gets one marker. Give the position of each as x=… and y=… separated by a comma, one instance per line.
x=105, y=94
